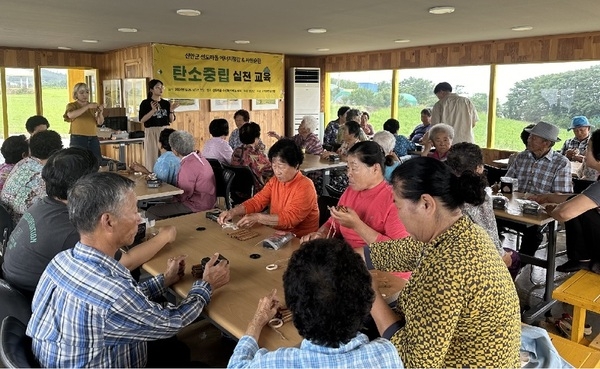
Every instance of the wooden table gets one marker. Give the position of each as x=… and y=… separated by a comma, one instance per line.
x=143, y=192
x=314, y=163
x=502, y=163
x=123, y=143
x=233, y=306
x=513, y=214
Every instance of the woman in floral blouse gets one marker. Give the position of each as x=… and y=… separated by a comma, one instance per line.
x=251, y=155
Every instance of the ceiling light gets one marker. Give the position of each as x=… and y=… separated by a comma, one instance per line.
x=442, y=10
x=322, y=49
x=522, y=28
x=90, y=41
x=401, y=41
x=241, y=42
x=63, y=48
x=128, y=30
x=189, y=12
x=317, y=30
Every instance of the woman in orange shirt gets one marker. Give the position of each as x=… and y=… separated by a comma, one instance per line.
x=291, y=196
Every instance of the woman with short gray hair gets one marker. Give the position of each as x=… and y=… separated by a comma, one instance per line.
x=387, y=141
x=306, y=138
x=196, y=178
x=440, y=136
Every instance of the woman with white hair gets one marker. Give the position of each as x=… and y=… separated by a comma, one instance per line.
x=306, y=138
x=195, y=178
x=387, y=141
x=440, y=136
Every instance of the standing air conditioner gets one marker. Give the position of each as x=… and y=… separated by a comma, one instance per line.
x=304, y=98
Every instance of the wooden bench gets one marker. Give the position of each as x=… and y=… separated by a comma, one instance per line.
x=582, y=290
x=579, y=356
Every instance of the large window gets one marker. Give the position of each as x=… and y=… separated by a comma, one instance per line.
x=20, y=98
x=416, y=93
x=552, y=92
x=369, y=91
x=56, y=94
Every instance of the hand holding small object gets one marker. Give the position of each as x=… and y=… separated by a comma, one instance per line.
x=175, y=269
x=345, y=216
x=224, y=217
x=248, y=220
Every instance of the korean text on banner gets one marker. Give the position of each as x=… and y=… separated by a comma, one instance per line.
x=192, y=73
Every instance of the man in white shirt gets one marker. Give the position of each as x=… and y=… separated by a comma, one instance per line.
x=456, y=111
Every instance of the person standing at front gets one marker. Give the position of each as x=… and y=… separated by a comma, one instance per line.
x=454, y=110
x=85, y=117
x=156, y=113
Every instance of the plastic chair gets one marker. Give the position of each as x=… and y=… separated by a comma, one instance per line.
x=223, y=178
x=6, y=228
x=493, y=174
x=15, y=345
x=242, y=183
x=13, y=303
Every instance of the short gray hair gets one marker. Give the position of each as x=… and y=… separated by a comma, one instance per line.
x=311, y=122
x=386, y=140
x=182, y=142
x=353, y=114
x=96, y=194
x=441, y=128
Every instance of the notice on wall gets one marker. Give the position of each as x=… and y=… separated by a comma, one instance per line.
x=201, y=73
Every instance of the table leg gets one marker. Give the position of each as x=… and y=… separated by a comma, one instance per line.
x=578, y=324
x=326, y=178
x=122, y=152
x=536, y=312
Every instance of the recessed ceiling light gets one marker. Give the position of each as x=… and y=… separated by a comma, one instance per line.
x=322, y=49
x=90, y=41
x=189, y=12
x=63, y=48
x=442, y=10
x=522, y=28
x=241, y=42
x=317, y=30
x=401, y=41
x=128, y=30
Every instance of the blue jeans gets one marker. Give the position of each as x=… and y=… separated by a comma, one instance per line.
x=87, y=142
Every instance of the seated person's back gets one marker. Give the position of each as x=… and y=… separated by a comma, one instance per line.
x=24, y=185
x=250, y=154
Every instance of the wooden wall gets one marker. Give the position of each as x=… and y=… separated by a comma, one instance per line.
x=137, y=62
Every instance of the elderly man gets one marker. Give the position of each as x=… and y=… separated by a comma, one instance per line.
x=87, y=309
x=456, y=111
x=574, y=148
x=540, y=170
x=328, y=291
x=45, y=229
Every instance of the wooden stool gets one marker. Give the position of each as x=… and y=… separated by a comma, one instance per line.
x=575, y=354
x=582, y=290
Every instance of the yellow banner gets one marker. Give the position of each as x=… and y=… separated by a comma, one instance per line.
x=201, y=73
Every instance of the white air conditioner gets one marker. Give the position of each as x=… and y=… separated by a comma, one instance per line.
x=304, y=98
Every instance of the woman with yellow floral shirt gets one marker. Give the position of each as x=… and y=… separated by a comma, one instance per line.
x=85, y=117
x=460, y=307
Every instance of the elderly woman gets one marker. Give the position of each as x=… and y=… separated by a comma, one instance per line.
x=460, y=307
x=402, y=145
x=350, y=133
x=387, y=141
x=195, y=178
x=167, y=165
x=463, y=157
x=251, y=155
x=365, y=212
x=306, y=138
x=217, y=147
x=14, y=149
x=290, y=196
x=440, y=136
x=324, y=282
x=365, y=125
x=581, y=217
